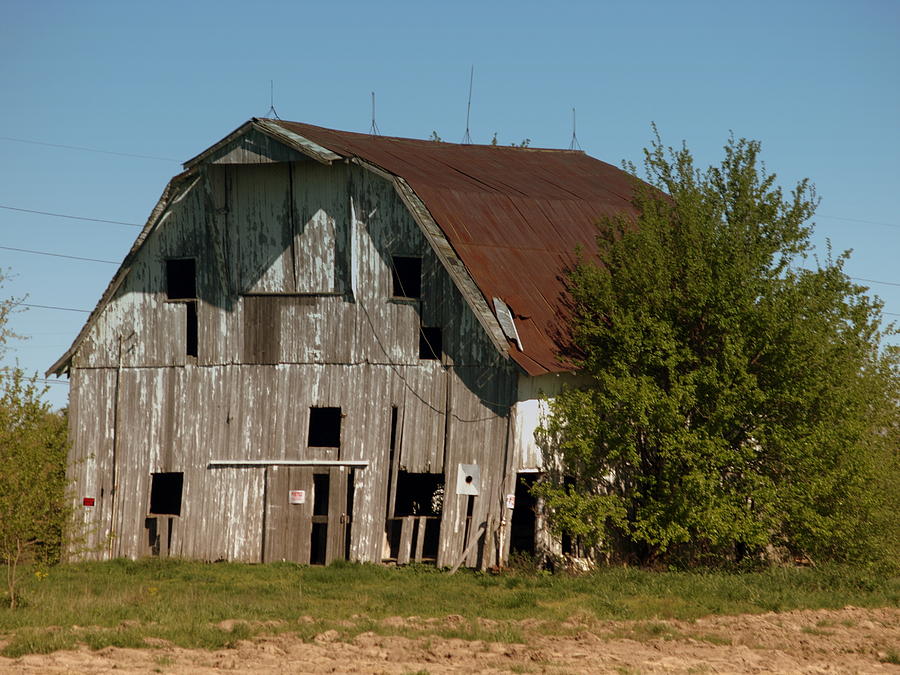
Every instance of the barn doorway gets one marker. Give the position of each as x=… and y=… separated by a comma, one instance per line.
x=309, y=514
x=413, y=528
x=164, y=510
x=523, y=528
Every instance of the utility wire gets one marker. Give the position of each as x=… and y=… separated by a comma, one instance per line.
x=58, y=255
x=64, y=309
x=66, y=215
x=858, y=220
x=7, y=369
x=875, y=281
x=78, y=147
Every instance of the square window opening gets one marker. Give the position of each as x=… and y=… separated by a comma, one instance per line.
x=406, y=274
x=419, y=494
x=181, y=279
x=165, y=493
x=430, y=344
x=324, y=428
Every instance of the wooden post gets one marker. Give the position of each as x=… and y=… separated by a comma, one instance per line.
x=420, y=538
x=473, y=542
x=486, y=548
x=405, y=540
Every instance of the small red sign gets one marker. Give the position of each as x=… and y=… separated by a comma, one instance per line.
x=88, y=501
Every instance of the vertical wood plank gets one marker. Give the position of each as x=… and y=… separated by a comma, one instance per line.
x=420, y=538
x=301, y=530
x=406, y=532
x=337, y=505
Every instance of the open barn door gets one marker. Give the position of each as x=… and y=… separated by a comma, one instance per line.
x=308, y=514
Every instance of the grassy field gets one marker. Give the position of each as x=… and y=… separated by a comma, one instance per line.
x=191, y=604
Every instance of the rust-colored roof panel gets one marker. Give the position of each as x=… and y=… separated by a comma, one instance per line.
x=514, y=216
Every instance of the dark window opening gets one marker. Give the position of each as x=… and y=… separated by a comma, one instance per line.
x=430, y=346
x=348, y=520
x=406, y=274
x=152, y=527
x=392, y=467
x=321, y=484
x=318, y=538
x=190, y=329
x=470, y=509
x=318, y=543
x=181, y=279
x=165, y=493
x=393, y=446
x=524, y=520
x=324, y=428
x=431, y=533
x=419, y=494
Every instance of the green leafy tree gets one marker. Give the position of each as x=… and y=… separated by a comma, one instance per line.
x=33, y=508
x=740, y=397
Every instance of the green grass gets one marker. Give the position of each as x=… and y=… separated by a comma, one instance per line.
x=121, y=603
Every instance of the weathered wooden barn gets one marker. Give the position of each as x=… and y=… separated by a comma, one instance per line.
x=326, y=345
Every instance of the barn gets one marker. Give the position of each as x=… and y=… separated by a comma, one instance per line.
x=326, y=345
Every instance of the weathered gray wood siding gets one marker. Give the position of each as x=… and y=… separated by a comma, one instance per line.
x=531, y=410
x=294, y=311
x=92, y=395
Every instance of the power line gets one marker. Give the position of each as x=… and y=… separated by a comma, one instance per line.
x=64, y=309
x=858, y=220
x=6, y=370
x=78, y=147
x=66, y=215
x=875, y=281
x=46, y=381
x=58, y=255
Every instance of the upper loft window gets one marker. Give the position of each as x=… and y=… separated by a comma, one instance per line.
x=181, y=279
x=181, y=285
x=324, y=428
x=406, y=276
x=430, y=343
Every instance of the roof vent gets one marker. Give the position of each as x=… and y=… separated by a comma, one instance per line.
x=505, y=317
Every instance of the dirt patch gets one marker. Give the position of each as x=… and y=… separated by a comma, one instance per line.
x=850, y=640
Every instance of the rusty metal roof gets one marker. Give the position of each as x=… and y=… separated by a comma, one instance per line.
x=514, y=216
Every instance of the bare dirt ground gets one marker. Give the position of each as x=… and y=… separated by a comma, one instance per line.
x=850, y=640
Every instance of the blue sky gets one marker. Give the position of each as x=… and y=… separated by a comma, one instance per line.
x=818, y=83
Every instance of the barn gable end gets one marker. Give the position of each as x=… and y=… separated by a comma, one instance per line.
x=300, y=358
x=294, y=311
